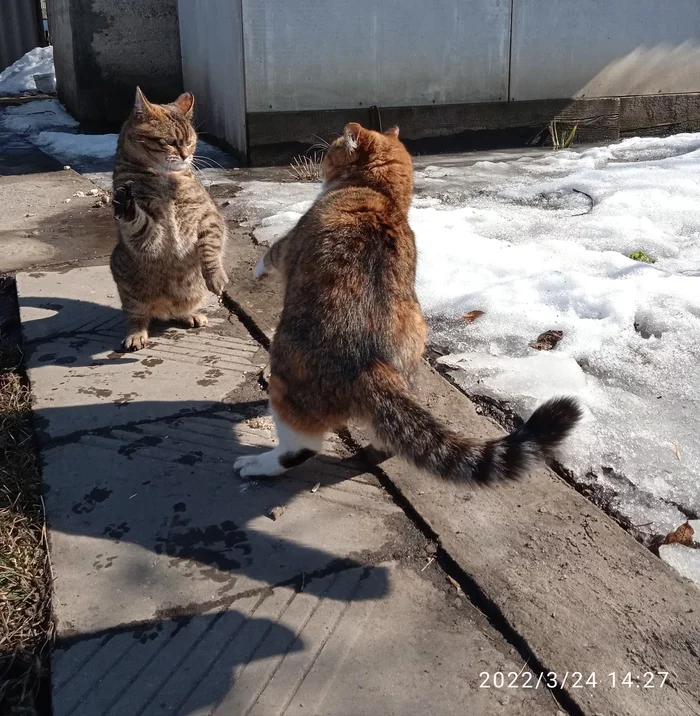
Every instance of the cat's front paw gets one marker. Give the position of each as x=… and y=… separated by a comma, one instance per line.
x=216, y=281
x=260, y=270
x=135, y=341
x=124, y=203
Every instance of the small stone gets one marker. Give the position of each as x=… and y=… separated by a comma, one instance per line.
x=276, y=512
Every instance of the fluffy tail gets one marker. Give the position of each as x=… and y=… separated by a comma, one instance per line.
x=417, y=436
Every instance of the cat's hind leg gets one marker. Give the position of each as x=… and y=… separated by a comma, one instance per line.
x=196, y=320
x=294, y=448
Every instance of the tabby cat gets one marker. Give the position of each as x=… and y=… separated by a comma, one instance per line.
x=171, y=234
x=352, y=334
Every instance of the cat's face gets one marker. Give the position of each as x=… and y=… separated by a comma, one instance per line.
x=162, y=135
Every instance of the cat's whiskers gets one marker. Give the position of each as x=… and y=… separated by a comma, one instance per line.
x=322, y=143
x=202, y=159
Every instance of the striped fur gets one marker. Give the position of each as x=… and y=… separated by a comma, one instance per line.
x=412, y=432
x=171, y=235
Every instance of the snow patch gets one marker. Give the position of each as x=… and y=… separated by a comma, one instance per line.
x=66, y=147
x=18, y=78
x=34, y=117
x=543, y=243
x=684, y=560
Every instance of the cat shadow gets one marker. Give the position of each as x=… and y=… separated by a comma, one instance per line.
x=210, y=651
x=56, y=334
x=157, y=473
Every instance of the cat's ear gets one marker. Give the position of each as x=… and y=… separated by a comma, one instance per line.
x=185, y=103
x=392, y=132
x=142, y=107
x=352, y=134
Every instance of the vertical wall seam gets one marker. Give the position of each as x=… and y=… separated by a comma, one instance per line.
x=509, y=98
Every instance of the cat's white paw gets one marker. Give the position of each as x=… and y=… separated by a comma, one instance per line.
x=252, y=465
x=259, y=271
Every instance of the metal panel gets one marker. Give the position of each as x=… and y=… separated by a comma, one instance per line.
x=335, y=54
x=21, y=29
x=598, y=48
x=211, y=38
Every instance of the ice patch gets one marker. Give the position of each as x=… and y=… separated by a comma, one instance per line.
x=67, y=147
x=684, y=560
x=34, y=117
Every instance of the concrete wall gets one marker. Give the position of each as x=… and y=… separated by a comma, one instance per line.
x=599, y=48
x=20, y=29
x=61, y=31
x=298, y=59
x=104, y=48
x=331, y=54
x=211, y=36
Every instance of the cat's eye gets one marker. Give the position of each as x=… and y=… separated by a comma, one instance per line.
x=173, y=142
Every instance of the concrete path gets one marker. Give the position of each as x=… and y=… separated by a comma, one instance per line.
x=175, y=591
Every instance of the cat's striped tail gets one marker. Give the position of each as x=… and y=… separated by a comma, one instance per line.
x=414, y=434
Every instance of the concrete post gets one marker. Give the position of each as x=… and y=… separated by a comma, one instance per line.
x=104, y=48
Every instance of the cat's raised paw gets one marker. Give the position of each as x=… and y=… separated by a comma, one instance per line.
x=123, y=203
x=260, y=270
x=216, y=281
x=135, y=341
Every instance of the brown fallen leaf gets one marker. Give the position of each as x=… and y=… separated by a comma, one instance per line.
x=472, y=316
x=547, y=340
x=455, y=584
x=683, y=535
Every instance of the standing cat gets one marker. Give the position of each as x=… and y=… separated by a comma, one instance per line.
x=352, y=333
x=171, y=234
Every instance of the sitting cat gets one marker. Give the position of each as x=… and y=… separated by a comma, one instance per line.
x=171, y=234
x=352, y=333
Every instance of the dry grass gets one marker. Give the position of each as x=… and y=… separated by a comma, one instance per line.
x=562, y=139
x=25, y=582
x=307, y=168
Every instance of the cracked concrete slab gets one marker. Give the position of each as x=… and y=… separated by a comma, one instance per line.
x=175, y=590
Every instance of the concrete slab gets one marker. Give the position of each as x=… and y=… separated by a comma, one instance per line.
x=334, y=651
x=175, y=592
x=43, y=222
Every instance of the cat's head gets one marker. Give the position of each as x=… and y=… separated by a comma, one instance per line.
x=363, y=156
x=160, y=136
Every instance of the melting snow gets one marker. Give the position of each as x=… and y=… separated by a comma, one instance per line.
x=543, y=243
x=18, y=78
